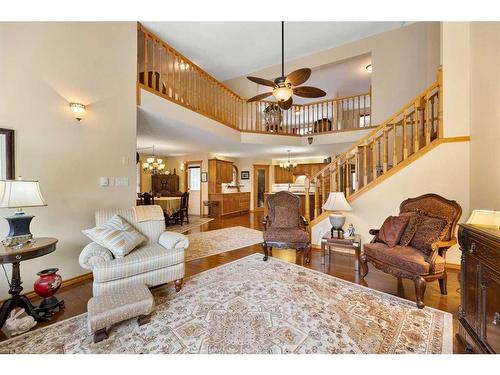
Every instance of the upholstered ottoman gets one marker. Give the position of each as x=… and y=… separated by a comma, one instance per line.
x=122, y=304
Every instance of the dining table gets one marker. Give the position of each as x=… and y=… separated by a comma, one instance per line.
x=170, y=205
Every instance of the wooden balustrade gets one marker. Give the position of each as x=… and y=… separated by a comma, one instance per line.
x=166, y=72
x=385, y=149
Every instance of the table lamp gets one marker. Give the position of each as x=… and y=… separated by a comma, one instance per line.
x=337, y=203
x=18, y=194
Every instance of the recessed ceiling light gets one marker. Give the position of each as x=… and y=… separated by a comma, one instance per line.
x=369, y=68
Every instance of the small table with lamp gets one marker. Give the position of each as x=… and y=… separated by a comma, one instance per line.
x=354, y=242
x=19, y=245
x=337, y=203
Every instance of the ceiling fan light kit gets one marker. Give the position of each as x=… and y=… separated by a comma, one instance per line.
x=286, y=86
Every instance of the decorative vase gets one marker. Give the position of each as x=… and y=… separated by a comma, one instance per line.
x=48, y=283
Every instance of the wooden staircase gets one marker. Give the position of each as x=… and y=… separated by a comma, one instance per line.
x=401, y=139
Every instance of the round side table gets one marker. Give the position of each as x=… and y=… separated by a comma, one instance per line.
x=40, y=247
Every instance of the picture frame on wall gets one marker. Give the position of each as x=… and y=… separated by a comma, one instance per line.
x=7, y=157
x=204, y=176
x=245, y=175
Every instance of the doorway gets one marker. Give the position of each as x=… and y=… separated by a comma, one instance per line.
x=260, y=186
x=194, y=186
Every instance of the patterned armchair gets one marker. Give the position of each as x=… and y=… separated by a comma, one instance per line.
x=284, y=227
x=422, y=256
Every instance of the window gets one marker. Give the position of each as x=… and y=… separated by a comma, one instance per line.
x=194, y=178
x=364, y=120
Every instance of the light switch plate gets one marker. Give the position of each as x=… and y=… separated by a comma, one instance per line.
x=104, y=181
x=121, y=181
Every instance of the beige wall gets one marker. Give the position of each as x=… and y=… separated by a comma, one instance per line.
x=444, y=171
x=455, y=57
x=405, y=62
x=45, y=66
x=485, y=115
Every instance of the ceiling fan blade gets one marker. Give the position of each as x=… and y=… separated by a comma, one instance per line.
x=286, y=104
x=259, y=97
x=308, y=92
x=298, y=77
x=262, y=81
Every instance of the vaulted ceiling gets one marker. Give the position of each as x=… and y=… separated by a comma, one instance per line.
x=231, y=49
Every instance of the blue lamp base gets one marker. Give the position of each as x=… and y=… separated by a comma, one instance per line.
x=19, y=230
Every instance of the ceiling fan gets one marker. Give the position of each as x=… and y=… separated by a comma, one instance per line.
x=286, y=86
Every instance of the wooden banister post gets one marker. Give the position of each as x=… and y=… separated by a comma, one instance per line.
x=394, y=146
x=307, y=186
x=386, y=150
x=440, y=101
x=316, y=198
x=405, y=137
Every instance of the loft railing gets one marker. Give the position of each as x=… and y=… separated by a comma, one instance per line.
x=166, y=72
x=326, y=116
x=387, y=148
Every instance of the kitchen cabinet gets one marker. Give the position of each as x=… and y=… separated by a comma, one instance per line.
x=219, y=172
x=231, y=203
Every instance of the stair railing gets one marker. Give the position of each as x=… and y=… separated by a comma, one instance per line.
x=385, y=149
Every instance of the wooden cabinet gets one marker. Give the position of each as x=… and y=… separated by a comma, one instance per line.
x=165, y=185
x=282, y=176
x=232, y=203
x=219, y=172
x=479, y=312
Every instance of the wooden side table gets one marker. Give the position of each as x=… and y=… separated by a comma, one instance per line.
x=40, y=247
x=350, y=243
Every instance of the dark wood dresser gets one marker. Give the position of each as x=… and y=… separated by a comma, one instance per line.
x=479, y=312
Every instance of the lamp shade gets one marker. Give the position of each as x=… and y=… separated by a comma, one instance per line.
x=337, y=202
x=20, y=193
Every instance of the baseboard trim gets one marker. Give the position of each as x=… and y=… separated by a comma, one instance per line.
x=65, y=284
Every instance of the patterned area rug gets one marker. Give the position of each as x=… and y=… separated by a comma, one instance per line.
x=251, y=306
x=194, y=222
x=218, y=241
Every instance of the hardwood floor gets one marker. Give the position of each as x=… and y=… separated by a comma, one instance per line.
x=339, y=265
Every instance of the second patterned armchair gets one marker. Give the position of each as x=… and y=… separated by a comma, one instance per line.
x=284, y=227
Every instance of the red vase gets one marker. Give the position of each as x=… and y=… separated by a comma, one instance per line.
x=48, y=283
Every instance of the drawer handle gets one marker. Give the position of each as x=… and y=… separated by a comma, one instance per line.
x=496, y=319
x=472, y=248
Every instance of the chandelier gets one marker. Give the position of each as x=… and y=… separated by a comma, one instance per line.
x=288, y=165
x=154, y=165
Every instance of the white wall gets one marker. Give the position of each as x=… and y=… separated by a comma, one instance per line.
x=485, y=115
x=443, y=170
x=45, y=66
x=405, y=62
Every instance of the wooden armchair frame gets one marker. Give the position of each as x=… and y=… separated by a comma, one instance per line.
x=268, y=245
x=430, y=203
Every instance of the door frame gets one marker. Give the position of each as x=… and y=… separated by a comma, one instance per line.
x=254, y=185
x=186, y=168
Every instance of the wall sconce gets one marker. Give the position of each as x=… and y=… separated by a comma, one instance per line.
x=369, y=68
x=182, y=167
x=78, y=110
x=310, y=140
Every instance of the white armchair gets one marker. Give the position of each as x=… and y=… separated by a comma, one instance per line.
x=157, y=261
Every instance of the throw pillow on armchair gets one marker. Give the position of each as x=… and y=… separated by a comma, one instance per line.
x=391, y=231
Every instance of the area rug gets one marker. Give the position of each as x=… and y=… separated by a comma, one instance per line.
x=204, y=244
x=251, y=306
x=194, y=222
